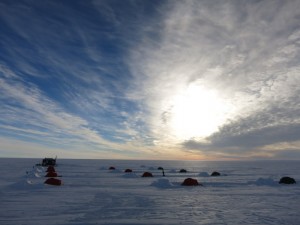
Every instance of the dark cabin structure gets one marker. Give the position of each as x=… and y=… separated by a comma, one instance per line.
x=49, y=162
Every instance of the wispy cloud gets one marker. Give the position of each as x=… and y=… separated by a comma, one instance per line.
x=247, y=51
x=30, y=115
x=107, y=76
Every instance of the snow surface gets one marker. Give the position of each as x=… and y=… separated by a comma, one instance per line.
x=91, y=194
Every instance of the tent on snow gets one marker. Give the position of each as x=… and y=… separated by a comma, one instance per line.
x=215, y=174
x=147, y=174
x=51, y=174
x=50, y=169
x=287, y=180
x=190, y=182
x=53, y=181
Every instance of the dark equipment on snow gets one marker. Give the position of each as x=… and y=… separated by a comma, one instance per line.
x=49, y=162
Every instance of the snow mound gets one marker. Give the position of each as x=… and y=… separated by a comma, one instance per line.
x=130, y=175
x=264, y=181
x=203, y=174
x=40, y=170
x=25, y=184
x=162, y=183
x=32, y=174
x=37, y=175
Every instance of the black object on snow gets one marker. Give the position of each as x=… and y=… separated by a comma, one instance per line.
x=287, y=180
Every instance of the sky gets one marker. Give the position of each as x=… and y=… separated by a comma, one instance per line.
x=152, y=79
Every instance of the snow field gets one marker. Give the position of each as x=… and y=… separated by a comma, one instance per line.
x=245, y=193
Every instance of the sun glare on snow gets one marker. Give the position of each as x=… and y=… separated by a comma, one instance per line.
x=198, y=112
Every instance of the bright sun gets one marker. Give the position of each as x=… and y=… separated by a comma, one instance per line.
x=198, y=112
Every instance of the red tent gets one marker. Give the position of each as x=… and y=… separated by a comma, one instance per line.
x=51, y=174
x=50, y=169
x=147, y=174
x=53, y=181
x=190, y=182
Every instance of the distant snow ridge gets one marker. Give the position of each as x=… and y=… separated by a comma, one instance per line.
x=162, y=183
x=264, y=181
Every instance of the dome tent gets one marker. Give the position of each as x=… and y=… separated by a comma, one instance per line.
x=215, y=174
x=287, y=180
x=147, y=174
x=190, y=182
